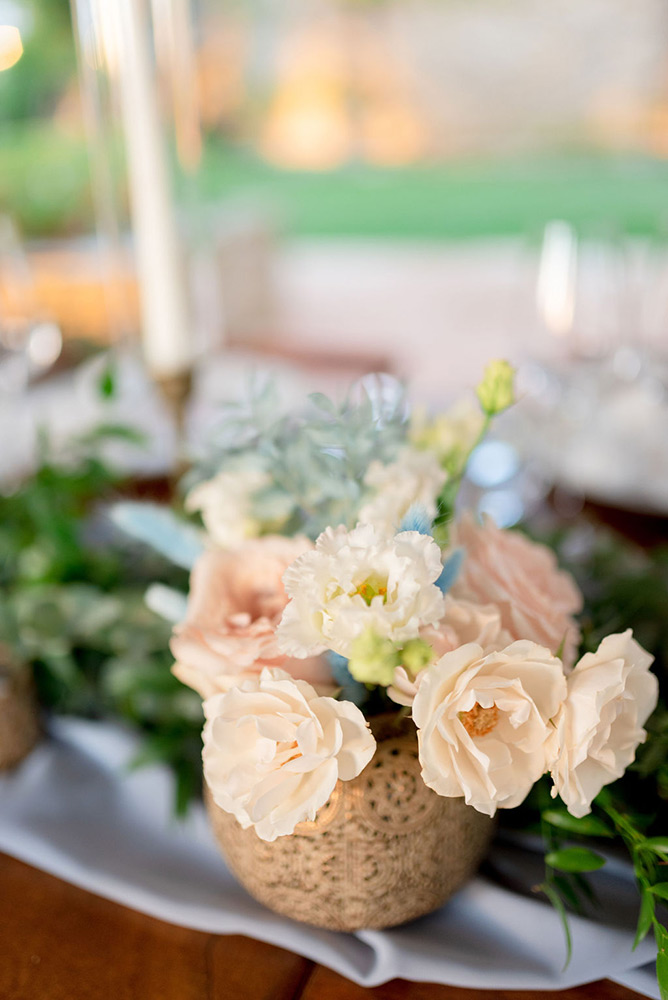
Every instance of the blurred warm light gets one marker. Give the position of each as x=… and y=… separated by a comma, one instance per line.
x=11, y=46
x=308, y=129
x=393, y=136
x=657, y=130
x=70, y=287
x=308, y=126
x=340, y=97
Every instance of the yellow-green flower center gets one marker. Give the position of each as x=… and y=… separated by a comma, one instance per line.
x=372, y=587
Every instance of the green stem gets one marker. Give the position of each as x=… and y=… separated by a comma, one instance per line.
x=446, y=501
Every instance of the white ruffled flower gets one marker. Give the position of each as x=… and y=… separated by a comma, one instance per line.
x=611, y=694
x=274, y=750
x=225, y=503
x=484, y=727
x=356, y=581
x=462, y=622
x=416, y=477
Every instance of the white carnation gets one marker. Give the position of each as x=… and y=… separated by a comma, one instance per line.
x=358, y=580
x=416, y=477
x=611, y=694
x=274, y=750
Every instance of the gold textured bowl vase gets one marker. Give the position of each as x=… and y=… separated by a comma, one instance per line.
x=383, y=850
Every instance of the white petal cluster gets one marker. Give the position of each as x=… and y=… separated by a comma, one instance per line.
x=611, y=694
x=484, y=726
x=274, y=750
x=416, y=477
x=225, y=503
x=358, y=580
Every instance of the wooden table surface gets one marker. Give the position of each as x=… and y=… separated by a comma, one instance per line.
x=58, y=942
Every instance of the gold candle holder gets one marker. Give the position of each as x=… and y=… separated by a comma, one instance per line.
x=176, y=391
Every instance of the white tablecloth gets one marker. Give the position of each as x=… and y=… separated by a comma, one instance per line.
x=74, y=810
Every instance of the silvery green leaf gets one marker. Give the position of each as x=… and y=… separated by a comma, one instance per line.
x=166, y=602
x=386, y=395
x=159, y=528
x=322, y=402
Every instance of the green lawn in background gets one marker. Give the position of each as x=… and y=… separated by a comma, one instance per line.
x=598, y=194
x=44, y=182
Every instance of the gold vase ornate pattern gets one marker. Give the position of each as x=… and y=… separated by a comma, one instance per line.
x=384, y=849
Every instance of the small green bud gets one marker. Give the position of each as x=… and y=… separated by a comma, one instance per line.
x=415, y=655
x=373, y=659
x=496, y=392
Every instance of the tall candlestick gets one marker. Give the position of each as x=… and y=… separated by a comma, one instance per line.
x=166, y=337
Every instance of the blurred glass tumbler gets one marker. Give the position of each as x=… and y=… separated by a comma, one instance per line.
x=383, y=850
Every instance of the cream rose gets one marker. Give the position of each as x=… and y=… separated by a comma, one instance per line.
x=274, y=750
x=416, y=477
x=356, y=581
x=462, y=622
x=236, y=600
x=484, y=727
x=611, y=694
x=536, y=599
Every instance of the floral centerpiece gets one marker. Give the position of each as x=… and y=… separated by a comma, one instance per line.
x=342, y=604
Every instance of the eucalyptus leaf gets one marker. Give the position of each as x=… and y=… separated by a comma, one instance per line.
x=167, y=602
x=645, y=918
x=323, y=402
x=585, y=826
x=574, y=859
x=159, y=528
x=661, y=936
x=658, y=845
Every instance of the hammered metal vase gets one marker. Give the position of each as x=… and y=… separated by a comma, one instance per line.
x=19, y=723
x=383, y=850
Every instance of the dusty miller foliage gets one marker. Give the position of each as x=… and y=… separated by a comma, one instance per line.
x=315, y=458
